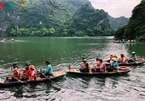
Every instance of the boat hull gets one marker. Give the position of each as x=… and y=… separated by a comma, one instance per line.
x=58, y=75
x=77, y=72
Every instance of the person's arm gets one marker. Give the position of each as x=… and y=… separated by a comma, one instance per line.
x=102, y=65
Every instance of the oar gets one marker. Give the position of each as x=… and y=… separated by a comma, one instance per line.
x=21, y=81
x=50, y=80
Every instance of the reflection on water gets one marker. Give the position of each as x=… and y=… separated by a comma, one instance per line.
x=64, y=51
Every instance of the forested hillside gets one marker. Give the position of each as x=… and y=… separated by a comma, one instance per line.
x=88, y=21
x=117, y=22
x=135, y=29
x=55, y=18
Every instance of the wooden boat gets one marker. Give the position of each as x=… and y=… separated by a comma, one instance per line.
x=137, y=62
x=57, y=74
x=122, y=70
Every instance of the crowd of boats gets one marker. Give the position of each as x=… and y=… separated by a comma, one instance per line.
x=112, y=66
x=125, y=41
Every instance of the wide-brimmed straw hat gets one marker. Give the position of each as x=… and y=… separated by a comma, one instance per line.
x=114, y=55
x=114, y=59
x=85, y=60
x=133, y=52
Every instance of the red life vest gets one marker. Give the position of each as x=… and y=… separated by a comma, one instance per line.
x=32, y=75
x=16, y=72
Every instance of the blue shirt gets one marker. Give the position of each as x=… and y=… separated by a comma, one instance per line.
x=49, y=70
x=115, y=65
x=134, y=57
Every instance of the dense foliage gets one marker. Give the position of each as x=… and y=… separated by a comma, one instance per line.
x=63, y=18
x=135, y=29
x=88, y=21
x=117, y=22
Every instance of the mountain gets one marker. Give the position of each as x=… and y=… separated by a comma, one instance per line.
x=117, y=22
x=88, y=21
x=38, y=18
x=135, y=29
x=55, y=18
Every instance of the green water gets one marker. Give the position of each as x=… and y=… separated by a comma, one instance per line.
x=70, y=50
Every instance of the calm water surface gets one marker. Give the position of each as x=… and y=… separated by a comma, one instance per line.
x=63, y=51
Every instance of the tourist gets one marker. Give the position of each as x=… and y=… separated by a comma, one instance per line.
x=133, y=57
x=49, y=69
x=16, y=73
x=32, y=74
x=123, y=59
x=101, y=67
x=85, y=66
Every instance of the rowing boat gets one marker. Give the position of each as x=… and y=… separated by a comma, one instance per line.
x=122, y=70
x=137, y=62
x=56, y=75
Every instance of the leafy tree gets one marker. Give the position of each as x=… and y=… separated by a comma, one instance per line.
x=135, y=27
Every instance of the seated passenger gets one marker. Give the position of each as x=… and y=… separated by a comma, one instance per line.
x=123, y=59
x=16, y=73
x=29, y=66
x=32, y=74
x=111, y=56
x=85, y=66
x=114, y=66
x=26, y=74
x=96, y=65
x=102, y=67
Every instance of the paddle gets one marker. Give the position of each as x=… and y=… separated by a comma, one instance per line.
x=18, y=80
x=50, y=79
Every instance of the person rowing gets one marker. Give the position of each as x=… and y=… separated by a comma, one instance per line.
x=133, y=57
x=48, y=71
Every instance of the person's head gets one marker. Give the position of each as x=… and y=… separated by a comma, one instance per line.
x=133, y=53
x=47, y=62
x=27, y=64
x=101, y=60
x=85, y=60
x=122, y=55
x=97, y=59
x=15, y=65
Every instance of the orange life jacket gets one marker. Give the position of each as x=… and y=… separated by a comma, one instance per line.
x=32, y=75
x=16, y=72
x=123, y=59
x=102, y=69
x=98, y=63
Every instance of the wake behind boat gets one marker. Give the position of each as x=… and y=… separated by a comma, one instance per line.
x=56, y=75
x=122, y=70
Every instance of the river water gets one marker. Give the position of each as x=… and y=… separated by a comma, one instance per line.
x=70, y=50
